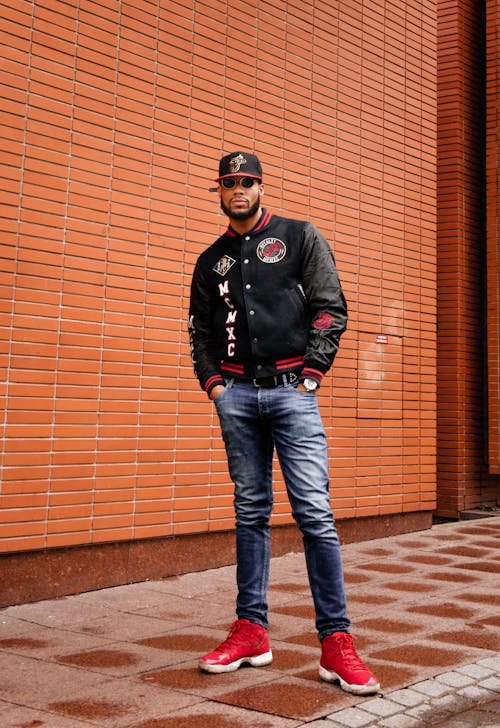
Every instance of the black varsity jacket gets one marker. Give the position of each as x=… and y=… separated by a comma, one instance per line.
x=264, y=303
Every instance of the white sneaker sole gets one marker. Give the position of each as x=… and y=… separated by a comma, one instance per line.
x=258, y=661
x=330, y=676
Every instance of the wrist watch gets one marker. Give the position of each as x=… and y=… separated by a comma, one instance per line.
x=310, y=384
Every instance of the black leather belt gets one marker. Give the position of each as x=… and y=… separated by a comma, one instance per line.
x=274, y=381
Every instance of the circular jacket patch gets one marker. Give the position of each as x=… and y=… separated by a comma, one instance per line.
x=271, y=250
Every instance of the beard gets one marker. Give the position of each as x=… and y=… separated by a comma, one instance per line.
x=241, y=214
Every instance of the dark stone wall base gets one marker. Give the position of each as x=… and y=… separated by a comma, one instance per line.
x=30, y=576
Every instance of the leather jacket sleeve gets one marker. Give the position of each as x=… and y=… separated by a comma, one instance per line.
x=201, y=338
x=326, y=301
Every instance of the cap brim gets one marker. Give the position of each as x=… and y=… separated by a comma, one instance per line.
x=238, y=174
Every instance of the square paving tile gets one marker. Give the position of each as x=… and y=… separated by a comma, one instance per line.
x=187, y=677
x=217, y=715
x=119, y=702
x=18, y=716
x=289, y=698
x=31, y=682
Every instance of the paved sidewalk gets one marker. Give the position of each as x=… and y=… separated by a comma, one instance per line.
x=468, y=697
x=425, y=612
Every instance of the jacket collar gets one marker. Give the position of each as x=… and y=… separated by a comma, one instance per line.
x=261, y=222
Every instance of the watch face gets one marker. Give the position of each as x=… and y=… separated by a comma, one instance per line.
x=310, y=384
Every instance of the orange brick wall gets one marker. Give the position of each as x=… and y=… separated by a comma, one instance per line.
x=493, y=231
x=463, y=482
x=113, y=117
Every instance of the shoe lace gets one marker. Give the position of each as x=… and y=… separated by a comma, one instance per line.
x=342, y=643
x=237, y=635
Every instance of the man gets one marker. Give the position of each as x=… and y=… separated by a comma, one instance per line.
x=267, y=312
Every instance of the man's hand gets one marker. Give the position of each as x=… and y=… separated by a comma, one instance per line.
x=218, y=389
x=300, y=387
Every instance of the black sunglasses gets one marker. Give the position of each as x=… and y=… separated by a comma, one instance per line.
x=230, y=182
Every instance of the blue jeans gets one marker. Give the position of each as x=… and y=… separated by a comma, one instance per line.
x=254, y=421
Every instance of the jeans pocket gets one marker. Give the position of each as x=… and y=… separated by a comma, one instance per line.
x=221, y=396
x=301, y=393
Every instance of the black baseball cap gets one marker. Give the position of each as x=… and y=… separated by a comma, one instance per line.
x=239, y=164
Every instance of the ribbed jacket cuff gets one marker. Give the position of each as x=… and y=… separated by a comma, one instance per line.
x=310, y=372
x=212, y=382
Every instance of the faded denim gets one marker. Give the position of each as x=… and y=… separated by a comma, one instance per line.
x=254, y=422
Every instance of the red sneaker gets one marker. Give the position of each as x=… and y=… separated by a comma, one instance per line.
x=246, y=642
x=340, y=661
